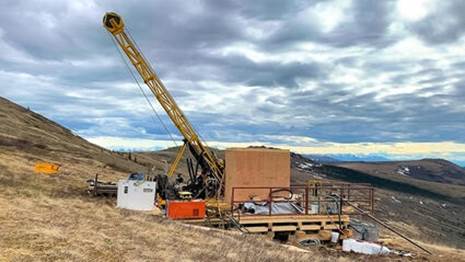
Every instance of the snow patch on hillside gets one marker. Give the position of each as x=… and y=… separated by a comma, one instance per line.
x=404, y=171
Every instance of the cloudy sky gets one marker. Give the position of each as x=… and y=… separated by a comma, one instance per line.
x=362, y=77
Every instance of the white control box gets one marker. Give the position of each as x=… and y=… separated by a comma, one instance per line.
x=136, y=195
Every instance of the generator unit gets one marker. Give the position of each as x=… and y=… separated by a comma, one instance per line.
x=136, y=194
x=185, y=209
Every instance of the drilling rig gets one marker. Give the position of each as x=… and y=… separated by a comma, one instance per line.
x=208, y=184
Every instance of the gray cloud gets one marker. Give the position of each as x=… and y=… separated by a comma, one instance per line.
x=446, y=24
x=288, y=74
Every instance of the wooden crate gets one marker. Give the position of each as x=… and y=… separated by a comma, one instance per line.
x=255, y=167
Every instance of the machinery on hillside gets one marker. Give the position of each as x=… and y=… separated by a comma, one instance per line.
x=209, y=183
x=309, y=213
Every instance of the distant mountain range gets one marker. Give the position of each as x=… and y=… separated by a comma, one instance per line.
x=137, y=149
x=326, y=158
x=332, y=158
x=335, y=158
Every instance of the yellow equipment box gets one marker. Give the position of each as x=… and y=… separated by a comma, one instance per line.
x=46, y=168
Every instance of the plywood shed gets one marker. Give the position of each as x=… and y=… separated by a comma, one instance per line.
x=255, y=167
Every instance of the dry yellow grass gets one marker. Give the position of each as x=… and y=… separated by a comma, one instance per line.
x=50, y=218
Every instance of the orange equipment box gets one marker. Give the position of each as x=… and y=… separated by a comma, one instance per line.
x=46, y=168
x=179, y=209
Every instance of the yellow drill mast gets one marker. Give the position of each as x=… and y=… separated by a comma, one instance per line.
x=211, y=166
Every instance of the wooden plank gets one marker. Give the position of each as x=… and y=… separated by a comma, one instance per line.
x=256, y=229
x=331, y=226
x=193, y=221
x=296, y=217
x=283, y=228
x=214, y=221
x=310, y=227
x=290, y=219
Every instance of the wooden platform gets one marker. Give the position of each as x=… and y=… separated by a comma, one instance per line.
x=306, y=223
x=310, y=224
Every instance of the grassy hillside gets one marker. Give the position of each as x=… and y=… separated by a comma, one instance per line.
x=46, y=218
x=432, y=170
x=440, y=191
x=52, y=218
x=25, y=133
x=430, y=211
